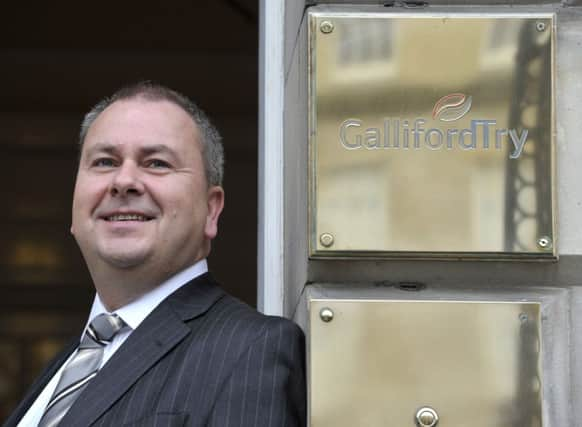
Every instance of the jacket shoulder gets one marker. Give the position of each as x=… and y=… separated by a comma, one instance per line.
x=246, y=319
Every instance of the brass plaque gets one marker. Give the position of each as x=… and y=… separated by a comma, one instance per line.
x=376, y=363
x=431, y=135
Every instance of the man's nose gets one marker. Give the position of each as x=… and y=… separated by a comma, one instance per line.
x=127, y=180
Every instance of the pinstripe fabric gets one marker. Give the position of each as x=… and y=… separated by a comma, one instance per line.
x=202, y=358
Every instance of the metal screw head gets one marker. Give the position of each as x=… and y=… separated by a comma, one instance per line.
x=326, y=27
x=545, y=242
x=326, y=240
x=426, y=417
x=523, y=318
x=540, y=26
x=326, y=314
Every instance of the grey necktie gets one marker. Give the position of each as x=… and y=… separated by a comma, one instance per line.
x=82, y=367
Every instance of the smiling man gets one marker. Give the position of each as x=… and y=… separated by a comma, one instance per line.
x=164, y=344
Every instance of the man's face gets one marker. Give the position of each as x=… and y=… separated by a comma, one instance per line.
x=141, y=196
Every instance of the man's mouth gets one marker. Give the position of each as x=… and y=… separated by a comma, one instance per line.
x=128, y=217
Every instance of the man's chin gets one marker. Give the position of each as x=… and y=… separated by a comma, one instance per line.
x=125, y=260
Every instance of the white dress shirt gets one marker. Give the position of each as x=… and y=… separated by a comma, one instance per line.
x=132, y=314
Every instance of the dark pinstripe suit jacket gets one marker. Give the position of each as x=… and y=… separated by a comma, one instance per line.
x=202, y=358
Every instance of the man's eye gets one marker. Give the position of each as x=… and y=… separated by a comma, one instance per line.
x=103, y=163
x=157, y=164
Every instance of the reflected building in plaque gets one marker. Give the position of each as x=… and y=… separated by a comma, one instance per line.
x=431, y=135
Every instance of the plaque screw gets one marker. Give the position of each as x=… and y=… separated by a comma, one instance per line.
x=326, y=314
x=426, y=417
x=326, y=240
x=523, y=317
x=540, y=26
x=326, y=27
x=545, y=242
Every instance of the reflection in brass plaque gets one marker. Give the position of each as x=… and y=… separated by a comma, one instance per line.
x=431, y=135
x=376, y=363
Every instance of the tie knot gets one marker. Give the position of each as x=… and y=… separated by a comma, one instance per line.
x=106, y=326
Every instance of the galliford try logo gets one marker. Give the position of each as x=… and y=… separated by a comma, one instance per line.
x=405, y=134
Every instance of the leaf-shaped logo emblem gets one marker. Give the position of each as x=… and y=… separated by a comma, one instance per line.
x=451, y=107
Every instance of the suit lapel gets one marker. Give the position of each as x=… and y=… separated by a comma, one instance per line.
x=40, y=384
x=161, y=331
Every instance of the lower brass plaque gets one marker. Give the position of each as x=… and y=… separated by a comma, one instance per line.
x=403, y=363
x=431, y=134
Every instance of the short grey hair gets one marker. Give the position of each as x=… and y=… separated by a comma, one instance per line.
x=211, y=141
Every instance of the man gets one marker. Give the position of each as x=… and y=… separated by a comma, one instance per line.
x=164, y=345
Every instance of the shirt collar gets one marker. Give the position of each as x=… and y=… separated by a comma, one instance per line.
x=136, y=311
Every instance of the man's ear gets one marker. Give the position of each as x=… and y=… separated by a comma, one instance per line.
x=215, y=199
